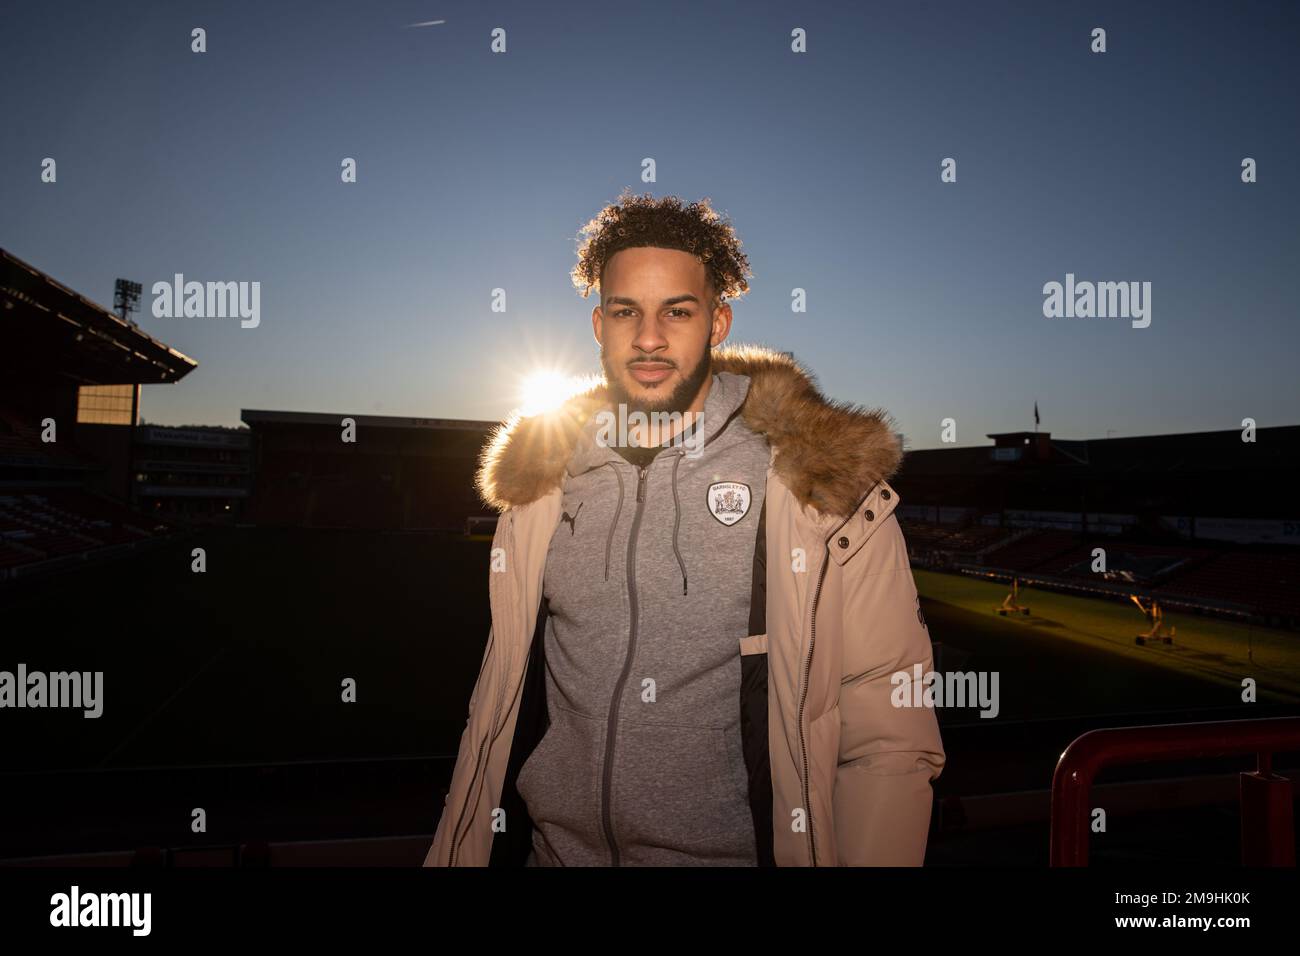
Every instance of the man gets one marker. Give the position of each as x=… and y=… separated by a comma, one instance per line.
x=696, y=614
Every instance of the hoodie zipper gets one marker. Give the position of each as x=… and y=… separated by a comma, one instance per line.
x=612, y=722
x=616, y=700
x=457, y=836
x=803, y=696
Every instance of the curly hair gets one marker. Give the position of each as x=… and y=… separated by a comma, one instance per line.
x=668, y=224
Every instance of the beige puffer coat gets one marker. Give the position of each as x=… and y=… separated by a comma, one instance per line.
x=845, y=776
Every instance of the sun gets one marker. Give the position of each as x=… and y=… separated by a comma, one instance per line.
x=545, y=390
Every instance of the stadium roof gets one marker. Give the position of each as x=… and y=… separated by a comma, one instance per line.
x=253, y=416
x=42, y=320
x=1274, y=448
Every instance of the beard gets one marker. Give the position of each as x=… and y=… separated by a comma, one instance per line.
x=677, y=400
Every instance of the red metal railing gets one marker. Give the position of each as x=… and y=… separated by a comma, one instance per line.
x=1267, y=817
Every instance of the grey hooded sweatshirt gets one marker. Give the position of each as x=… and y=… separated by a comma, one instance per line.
x=648, y=579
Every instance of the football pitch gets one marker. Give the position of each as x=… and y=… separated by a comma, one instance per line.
x=246, y=662
x=1074, y=654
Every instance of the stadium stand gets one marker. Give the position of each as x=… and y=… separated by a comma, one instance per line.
x=1032, y=550
x=1145, y=563
x=974, y=539
x=1269, y=583
x=68, y=498
x=923, y=536
x=1205, y=519
x=401, y=474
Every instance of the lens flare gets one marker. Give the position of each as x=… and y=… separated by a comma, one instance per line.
x=545, y=390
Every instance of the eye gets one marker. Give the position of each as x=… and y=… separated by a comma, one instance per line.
x=682, y=311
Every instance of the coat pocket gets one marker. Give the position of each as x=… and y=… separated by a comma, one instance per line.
x=560, y=785
x=679, y=787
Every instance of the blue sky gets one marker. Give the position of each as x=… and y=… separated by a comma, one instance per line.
x=476, y=171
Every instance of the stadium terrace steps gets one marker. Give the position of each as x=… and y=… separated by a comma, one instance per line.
x=20, y=442
x=1244, y=582
x=50, y=524
x=1148, y=562
x=922, y=535
x=1269, y=582
x=973, y=539
x=1029, y=552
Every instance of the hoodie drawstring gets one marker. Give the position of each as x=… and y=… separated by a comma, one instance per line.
x=617, y=511
x=677, y=518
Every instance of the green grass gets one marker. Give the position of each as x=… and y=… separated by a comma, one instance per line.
x=1217, y=651
x=244, y=662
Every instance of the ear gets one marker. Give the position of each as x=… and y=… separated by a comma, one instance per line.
x=721, y=325
x=597, y=320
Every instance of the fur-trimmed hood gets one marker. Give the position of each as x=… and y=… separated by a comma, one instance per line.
x=828, y=453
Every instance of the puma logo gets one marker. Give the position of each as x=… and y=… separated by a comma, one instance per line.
x=572, y=519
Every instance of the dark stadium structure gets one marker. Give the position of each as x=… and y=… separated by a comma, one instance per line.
x=1167, y=510
x=398, y=474
x=70, y=378
x=193, y=474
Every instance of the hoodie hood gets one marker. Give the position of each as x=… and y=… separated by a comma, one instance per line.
x=726, y=395
x=828, y=453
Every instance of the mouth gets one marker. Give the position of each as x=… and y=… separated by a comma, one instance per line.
x=647, y=373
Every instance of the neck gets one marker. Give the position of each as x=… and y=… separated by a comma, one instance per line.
x=662, y=427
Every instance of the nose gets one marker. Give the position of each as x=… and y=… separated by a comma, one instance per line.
x=649, y=337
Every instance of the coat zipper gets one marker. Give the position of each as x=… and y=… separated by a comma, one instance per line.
x=455, y=844
x=803, y=696
x=614, y=702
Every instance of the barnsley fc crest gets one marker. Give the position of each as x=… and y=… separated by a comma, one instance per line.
x=728, y=501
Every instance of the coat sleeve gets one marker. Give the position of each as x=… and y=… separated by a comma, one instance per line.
x=888, y=755
x=439, y=851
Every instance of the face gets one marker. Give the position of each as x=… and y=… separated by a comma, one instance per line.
x=655, y=328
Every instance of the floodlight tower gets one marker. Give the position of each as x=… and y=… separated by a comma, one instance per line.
x=126, y=298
